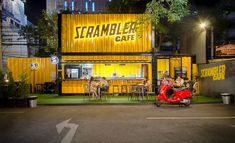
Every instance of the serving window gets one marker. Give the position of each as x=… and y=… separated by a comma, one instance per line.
x=72, y=72
x=110, y=71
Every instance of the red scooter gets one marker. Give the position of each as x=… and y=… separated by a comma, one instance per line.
x=181, y=96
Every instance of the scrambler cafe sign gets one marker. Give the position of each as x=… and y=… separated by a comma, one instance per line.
x=104, y=33
x=121, y=31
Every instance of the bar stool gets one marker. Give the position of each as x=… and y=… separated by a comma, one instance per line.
x=86, y=91
x=151, y=92
x=140, y=92
x=105, y=93
x=134, y=94
x=124, y=90
x=115, y=88
x=39, y=88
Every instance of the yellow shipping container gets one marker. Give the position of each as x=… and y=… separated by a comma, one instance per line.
x=38, y=70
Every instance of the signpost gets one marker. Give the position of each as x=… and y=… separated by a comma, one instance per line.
x=34, y=66
x=54, y=60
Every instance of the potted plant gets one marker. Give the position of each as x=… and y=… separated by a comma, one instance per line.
x=23, y=90
x=11, y=86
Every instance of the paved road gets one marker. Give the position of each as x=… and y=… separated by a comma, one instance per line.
x=201, y=123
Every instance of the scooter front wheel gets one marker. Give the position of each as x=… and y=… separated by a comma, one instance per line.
x=187, y=102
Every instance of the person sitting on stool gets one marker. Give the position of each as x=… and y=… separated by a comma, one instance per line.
x=93, y=87
x=179, y=82
x=104, y=85
x=146, y=84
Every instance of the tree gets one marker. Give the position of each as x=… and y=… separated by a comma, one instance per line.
x=48, y=29
x=163, y=13
x=45, y=31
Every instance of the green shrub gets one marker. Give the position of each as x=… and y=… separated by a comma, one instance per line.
x=23, y=88
x=11, y=86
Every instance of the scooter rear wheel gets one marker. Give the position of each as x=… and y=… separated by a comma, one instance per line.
x=158, y=103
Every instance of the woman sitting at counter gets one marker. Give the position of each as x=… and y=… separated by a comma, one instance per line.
x=93, y=87
x=104, y=85
x=146, y=85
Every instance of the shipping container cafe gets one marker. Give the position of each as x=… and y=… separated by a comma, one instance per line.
x=113, y=46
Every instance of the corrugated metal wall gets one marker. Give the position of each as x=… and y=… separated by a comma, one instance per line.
x=109, y=58
x=78, y=86
x=186, y=63
x=46, y=72
x=141, y=42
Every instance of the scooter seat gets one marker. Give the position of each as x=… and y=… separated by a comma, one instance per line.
x=180, y=89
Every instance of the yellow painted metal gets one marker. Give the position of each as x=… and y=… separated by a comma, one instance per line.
x=83, y=33
x=122, y=70
x=163, y=67
x=174, y=63
x=105, y=59
x=78, y=86
x=194, y=72
x=150, y=73
x=186, y=63
x=73, y=86
x=46, y=72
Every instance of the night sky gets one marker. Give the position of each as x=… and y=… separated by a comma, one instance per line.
x=33, y=9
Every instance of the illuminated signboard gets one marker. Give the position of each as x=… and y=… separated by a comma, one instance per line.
x=122, y=32
x=104, y=33
x=216, y=72
x=225, y=50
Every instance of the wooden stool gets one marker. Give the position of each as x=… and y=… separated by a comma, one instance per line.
x=151, y=92
x=134, y=92
x=114, y=91
x=86, y=91
x=124, y=90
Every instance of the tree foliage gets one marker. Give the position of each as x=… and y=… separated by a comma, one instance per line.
x=48, y=29
x=29, y=33
x=23, y=86
x=170, y=10
x=163, y=13
x=45, y=31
